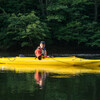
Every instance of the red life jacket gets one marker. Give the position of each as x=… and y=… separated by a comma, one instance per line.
x=39, y=51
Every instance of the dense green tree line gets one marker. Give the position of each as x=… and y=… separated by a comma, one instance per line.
x=26, y=22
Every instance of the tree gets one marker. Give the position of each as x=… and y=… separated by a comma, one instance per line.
x=24, y=30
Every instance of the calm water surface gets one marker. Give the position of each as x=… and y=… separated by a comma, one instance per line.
x=22, y=86
x=48, y=86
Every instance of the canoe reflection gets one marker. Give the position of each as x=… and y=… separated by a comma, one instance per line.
x=40, y=78
x=72, y=70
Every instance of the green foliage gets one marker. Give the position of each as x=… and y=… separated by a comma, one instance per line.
x=24, y=30
x=55, y=11
x=77, y=31
x=25, y=23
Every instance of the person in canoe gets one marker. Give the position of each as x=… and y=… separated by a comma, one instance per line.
x=41, y=52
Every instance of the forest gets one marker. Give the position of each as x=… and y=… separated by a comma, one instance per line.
x=64, y=23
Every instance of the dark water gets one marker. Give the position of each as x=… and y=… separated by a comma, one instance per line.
x=23, y=86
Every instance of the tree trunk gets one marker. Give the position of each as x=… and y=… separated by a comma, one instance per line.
x=42, y=7
x=46, y=6
x=95, y=10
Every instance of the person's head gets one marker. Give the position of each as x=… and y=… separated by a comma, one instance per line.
x=42, y=44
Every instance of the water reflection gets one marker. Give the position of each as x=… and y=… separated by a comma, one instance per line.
x=22, y=86
x=72, y=70
x=40, y=78
x=28, y=82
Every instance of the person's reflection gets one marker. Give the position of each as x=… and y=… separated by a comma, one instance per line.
x=40, y=78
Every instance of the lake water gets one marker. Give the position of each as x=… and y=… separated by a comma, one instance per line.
x=42, y=85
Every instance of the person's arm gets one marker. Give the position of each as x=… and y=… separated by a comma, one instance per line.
x=46, y=54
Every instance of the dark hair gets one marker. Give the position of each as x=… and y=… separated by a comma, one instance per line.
x=42, y=42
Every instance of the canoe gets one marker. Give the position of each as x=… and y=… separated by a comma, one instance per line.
x=54, y=61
